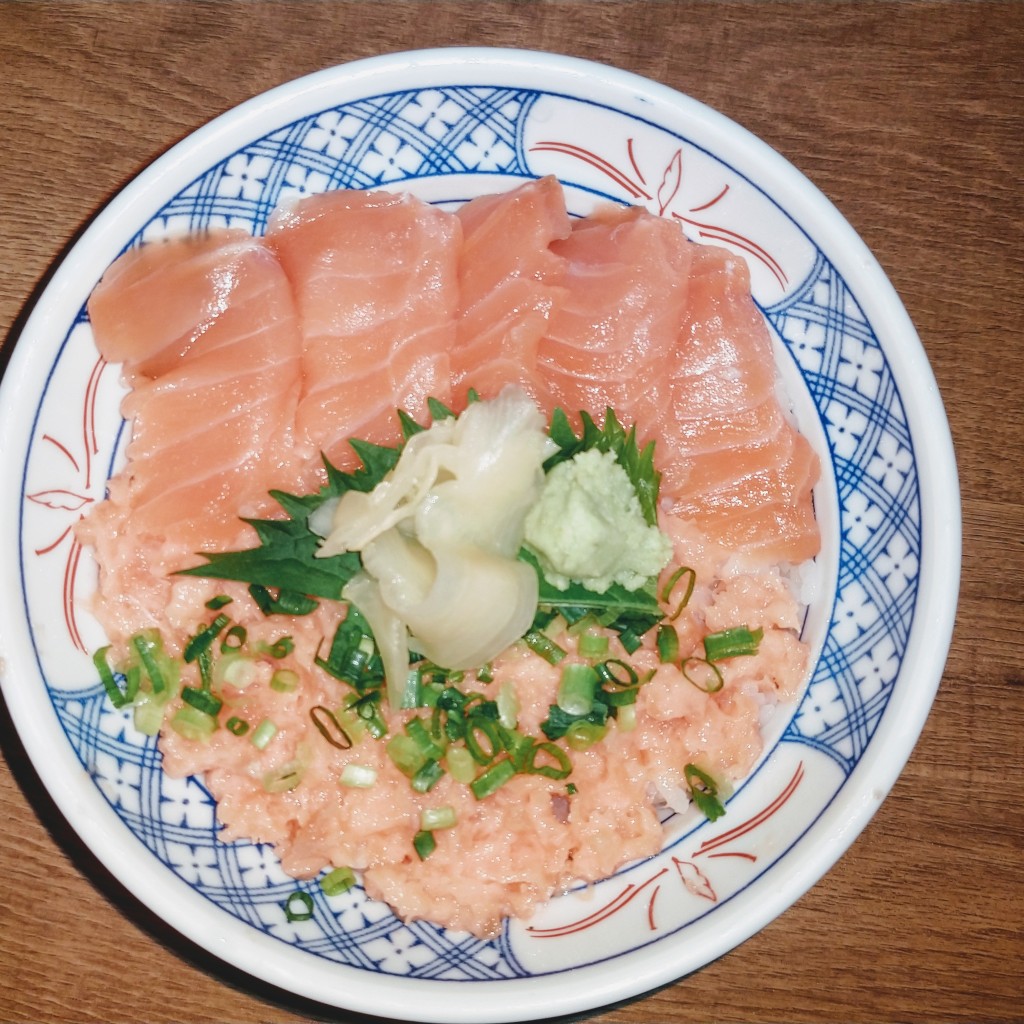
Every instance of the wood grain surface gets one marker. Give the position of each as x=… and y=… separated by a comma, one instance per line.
x=909, y=117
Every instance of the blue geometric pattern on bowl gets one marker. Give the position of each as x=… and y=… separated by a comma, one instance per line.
x=433, y=132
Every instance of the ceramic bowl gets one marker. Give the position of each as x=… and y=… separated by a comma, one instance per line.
x=448, y=125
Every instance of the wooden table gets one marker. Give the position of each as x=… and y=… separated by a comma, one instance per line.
x=909, y=117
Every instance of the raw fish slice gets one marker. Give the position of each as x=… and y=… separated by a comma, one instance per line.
x=610, y=343
x=376, y=285
x=744, y=472
x=510, y=282
x=176, y=289
x=666, y=333
x=207, y=332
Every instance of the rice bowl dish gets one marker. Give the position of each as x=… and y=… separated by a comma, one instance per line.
x=454, y=127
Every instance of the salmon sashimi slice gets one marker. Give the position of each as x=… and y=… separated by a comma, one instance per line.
x=174, y=290
x=611, y=340
x=510, y=283
x=742, y=469
x=666, y=333
x=207, y=333
x=376, y=284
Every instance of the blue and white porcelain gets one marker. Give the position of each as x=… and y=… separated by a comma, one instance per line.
x=449, y=125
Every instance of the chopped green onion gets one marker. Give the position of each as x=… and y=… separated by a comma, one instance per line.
x=235, y=670
x=519, y=747
x=508, y=705
x=287, y=602
x=192, y=724
x=298, y=906
x=148, y=714
x=543, y=645
x=616, y=672
x=218, y=602
x=427, y=776
x=418, y=733
x=732, y=643
x=485, y=674
x=576, y=689
x=620, y=698
x=150, y=648
x=263, y=734
x=570, y=789
x=284, y=680
x=330, y=728
x=625, y=718
x=704, y=791
x=285, y=778
x=337, y=881
x=461, y=764
x=704, y=674
x=369, y=714
x=559, y=770
x=204, y=638
x=117, y=698
x=487, y=728
x=205, y=662
x=668, y=644
x=405, y=754
x=280, y=648
x=358, y=776
x=687, y=594
x=234, y=638
x=424, y=844
x=593, y=645
x=583, y=734
x=237, y=726
x=202, y=700
x=437, y=817
x=492, y=779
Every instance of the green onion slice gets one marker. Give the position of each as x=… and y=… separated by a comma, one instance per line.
x=732, y=643
x=562, y=767
x=488, y=729
x=358, y=776
x=428, y=776
x=237, y=726
x=616, y=672
x=234, y=639
x=202, y=700
x=666, y=593
x=117, y=698
x=337, y=881
x=284, y=680
x=329, y=727
x=150, y=649
x=432, y=818
x=298, y=906
x=592, y=645
x=576, y=689
x=285, y=778
x=704, y=674
x=193, y=724
x=668, y=644
x=583, y=734
x=204, y=638
x=704, y=791
x=424, y=844
x=540, y=643
x=491, y=780
x=263, y=734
